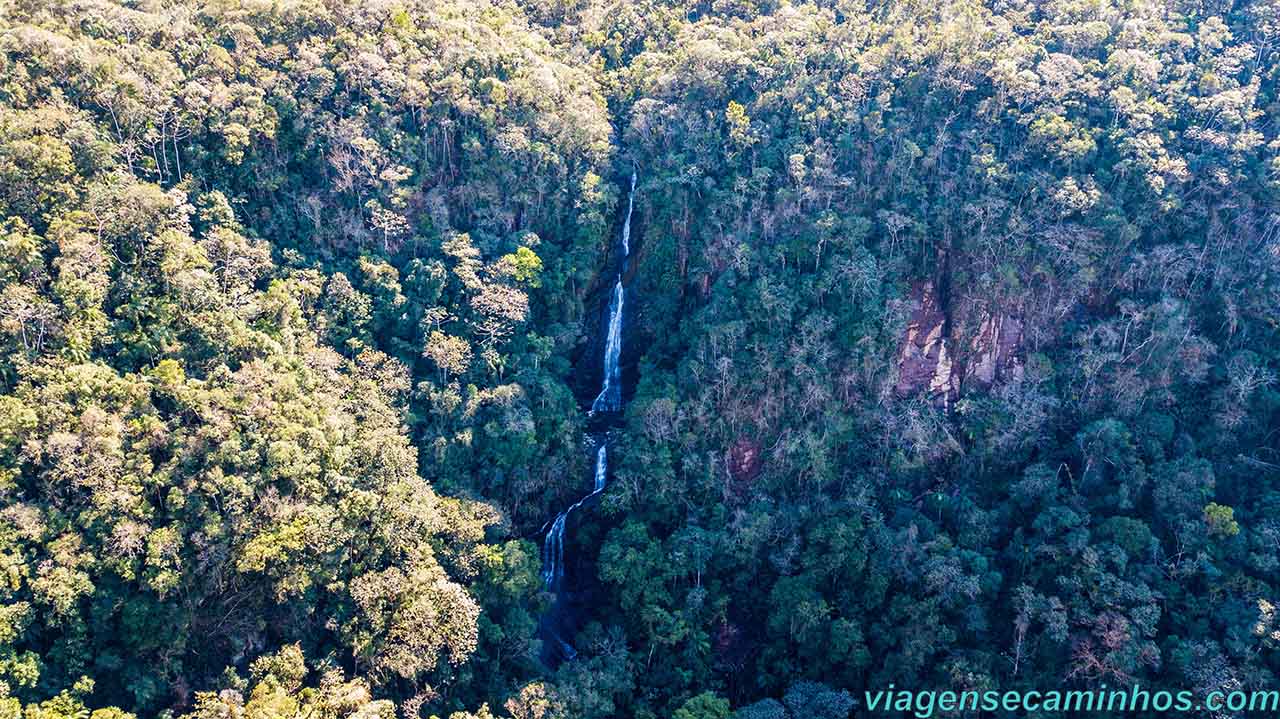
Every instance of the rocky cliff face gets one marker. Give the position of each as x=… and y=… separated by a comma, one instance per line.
x=993, y=350
x=924, y=360
x=947, y=350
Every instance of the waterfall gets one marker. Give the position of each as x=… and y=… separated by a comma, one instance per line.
x=608, y=401
x=626, y=223
x=610, y=397
x=602, y=462
x=553, y=543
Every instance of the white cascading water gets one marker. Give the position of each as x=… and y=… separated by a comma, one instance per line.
x=602, y=462
x=553, y=545
x=610, y=397
x=609, y=400
x=626, y=223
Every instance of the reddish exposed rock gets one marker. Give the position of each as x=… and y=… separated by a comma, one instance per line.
x=945, y=347
x=731, y=647
x=925, y=361
x=744, y=460
x=993, y=349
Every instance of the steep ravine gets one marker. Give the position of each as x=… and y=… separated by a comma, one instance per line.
x=558, y=622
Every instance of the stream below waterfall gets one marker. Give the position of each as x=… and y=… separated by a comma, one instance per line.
x=557, y=622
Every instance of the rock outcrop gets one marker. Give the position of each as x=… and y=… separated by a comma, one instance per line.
x=924, y=360
x=948, y=350
x=993, y=350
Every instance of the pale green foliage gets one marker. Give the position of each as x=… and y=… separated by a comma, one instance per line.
x=277, y=689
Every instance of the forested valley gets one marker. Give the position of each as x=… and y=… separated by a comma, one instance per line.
x=949, y=354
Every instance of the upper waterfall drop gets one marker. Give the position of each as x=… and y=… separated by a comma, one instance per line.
x=626, y=223
x=610, y=397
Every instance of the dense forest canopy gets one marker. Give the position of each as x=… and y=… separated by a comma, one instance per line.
x=951, y=353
